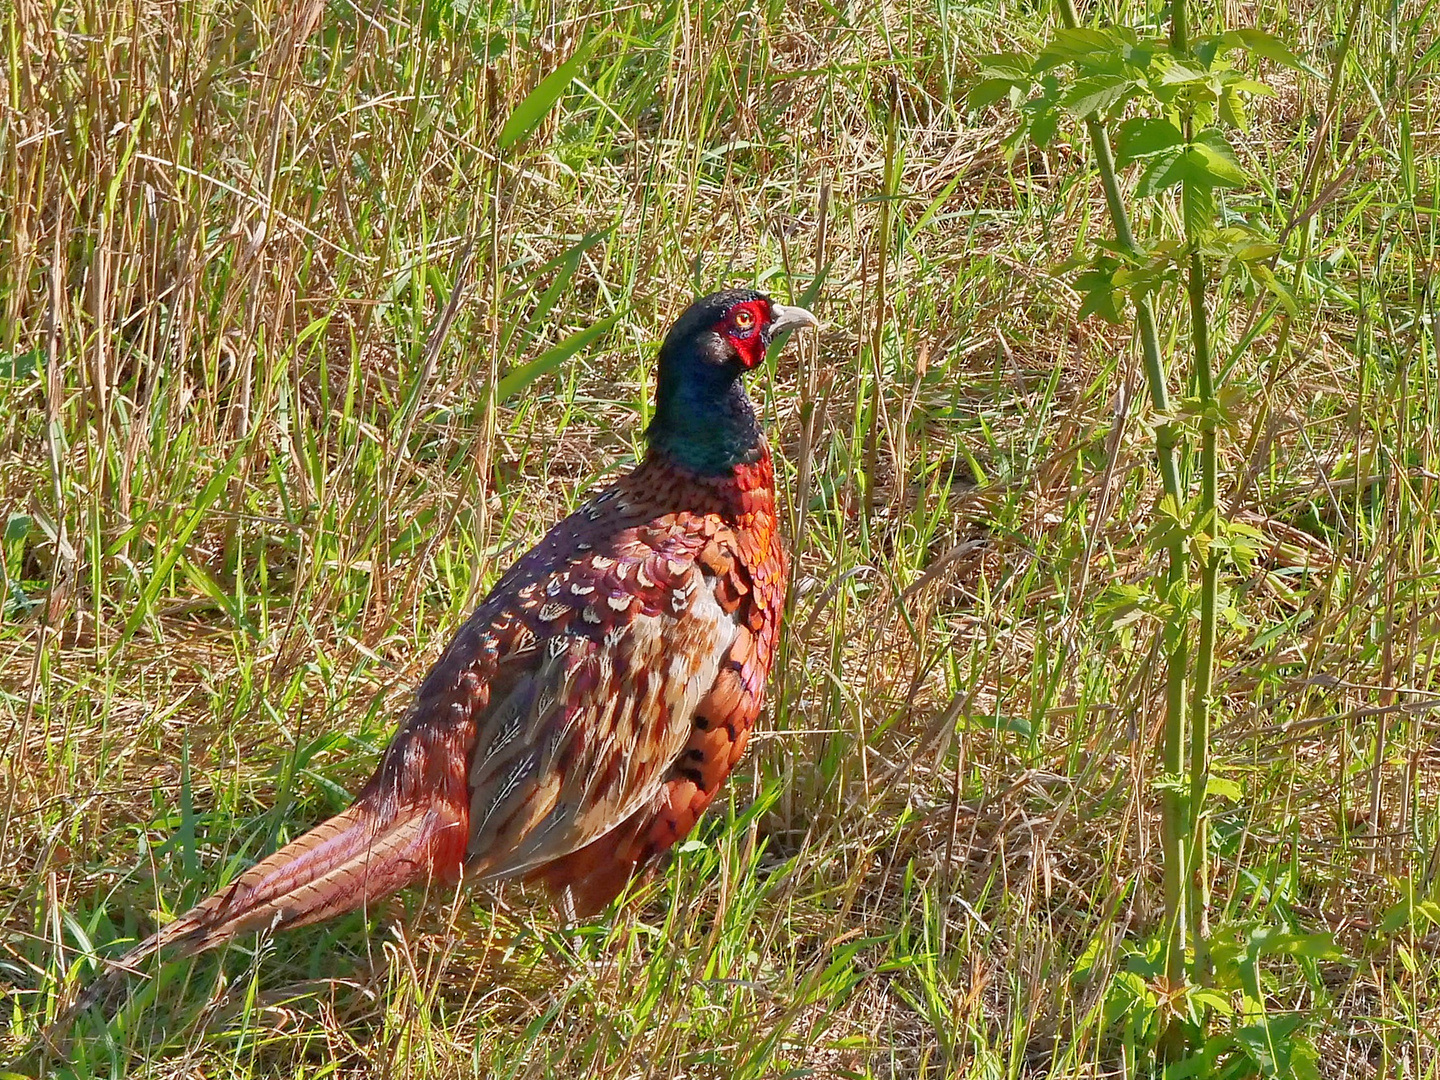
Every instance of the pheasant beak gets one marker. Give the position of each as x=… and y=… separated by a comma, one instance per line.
x=783, y=317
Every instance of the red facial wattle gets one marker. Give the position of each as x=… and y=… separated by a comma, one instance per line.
x=744, y=326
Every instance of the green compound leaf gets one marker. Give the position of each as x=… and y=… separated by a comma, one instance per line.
x=1095, y=94
x=1268, y=46
x=1215, y=161
x=1142, y=137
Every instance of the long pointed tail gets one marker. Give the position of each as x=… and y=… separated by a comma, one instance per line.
x=353, y=859
x=338, y=866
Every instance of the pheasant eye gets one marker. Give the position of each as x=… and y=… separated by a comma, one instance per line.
x=744, y=319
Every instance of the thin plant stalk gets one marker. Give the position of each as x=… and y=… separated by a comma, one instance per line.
x=1207, y=529
x=1301, y=209
x=1167, y=453
x=1203, y=675
x=877, y=335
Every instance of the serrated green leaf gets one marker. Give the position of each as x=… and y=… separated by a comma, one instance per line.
x=1255, y=251
x=1124, y=604
x=1310, y=946
x=1219, y=159
x=1232, y=109
x=1219, y=411
x=1138, y=54
x=1122, y=593
x=1171, y=782
x=1400, y=915
x=1265, y=277
x=1205, y=50
x=989, y=91
x=1042, y=128
x=1143, y=137
x=1430, y=910
x=1240, y=528
x=1278, y=941
x=1098, y=295
x=1197, y=203
x=1219, y=787
x=1269, y=1044
x=1082, y=43
x=1165, y=170
x=1170, y=530
x=1304, y=1060
x=1211, y=999
x=1230, y=399
x=1100, y=302
x=536, y=104
x=1235, y=81
x=1014, y=65
x=1095, y=94
x=1179, y=73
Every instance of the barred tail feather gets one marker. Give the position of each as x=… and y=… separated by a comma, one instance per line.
x=342, y=864
x=338, y=866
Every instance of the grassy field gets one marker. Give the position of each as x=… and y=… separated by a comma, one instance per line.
x=286, y=380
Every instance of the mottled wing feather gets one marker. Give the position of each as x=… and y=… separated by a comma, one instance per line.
x=744, y=567
x=588, y=735
x=719, y=732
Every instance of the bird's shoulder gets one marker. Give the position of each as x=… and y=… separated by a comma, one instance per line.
x=632, y=550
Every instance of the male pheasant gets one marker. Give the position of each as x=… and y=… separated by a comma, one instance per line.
x=588, y=712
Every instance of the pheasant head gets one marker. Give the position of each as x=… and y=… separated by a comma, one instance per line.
x=703, y=418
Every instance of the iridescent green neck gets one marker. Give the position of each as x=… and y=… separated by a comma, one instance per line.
x=703, y=418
